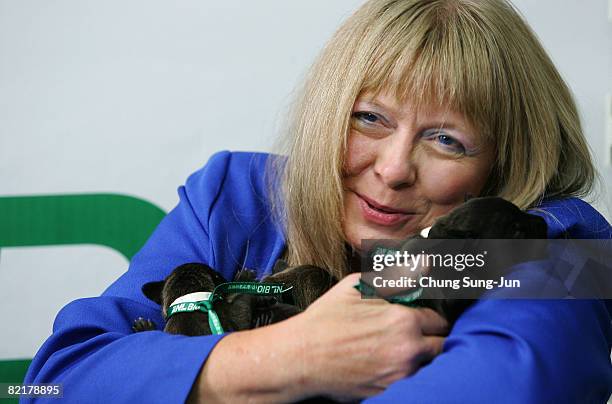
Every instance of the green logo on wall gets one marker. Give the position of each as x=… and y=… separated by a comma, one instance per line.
x=120, y=222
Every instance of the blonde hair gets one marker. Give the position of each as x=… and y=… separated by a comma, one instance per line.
x=476, y=57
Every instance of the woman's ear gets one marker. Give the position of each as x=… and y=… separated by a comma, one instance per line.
x=153, y=291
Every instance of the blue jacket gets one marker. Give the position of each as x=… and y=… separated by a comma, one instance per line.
x=498, y=351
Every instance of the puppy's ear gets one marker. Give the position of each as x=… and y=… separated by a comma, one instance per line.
x=537, y=227
x=215, y=277
x=153, y=290
x=245, y=275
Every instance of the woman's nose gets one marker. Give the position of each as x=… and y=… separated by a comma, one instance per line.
x=395, y=164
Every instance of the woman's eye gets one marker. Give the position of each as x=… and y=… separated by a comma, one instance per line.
x=446, y=141
x=367, y=117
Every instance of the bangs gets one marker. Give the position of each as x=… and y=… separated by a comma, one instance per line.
x=439, y=57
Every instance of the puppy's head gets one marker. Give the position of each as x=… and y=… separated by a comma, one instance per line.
x=235, y=311
x=185, y=279
x=489, y=218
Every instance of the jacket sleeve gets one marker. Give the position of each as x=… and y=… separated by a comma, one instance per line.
x=518, y=351
x=94, y=353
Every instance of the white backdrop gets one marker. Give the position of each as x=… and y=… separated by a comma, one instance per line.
x=131, y=96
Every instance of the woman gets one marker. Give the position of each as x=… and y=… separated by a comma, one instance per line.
x=412, y=106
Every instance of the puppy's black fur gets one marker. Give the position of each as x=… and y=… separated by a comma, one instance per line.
x=308, y=283
x=488, y=218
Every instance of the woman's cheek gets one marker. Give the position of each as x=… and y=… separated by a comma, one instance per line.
x=359, y=155
x=447, y=184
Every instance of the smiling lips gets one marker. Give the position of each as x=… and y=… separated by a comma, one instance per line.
x=381, y=214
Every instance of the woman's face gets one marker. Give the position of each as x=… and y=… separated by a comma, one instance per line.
x=404, y=168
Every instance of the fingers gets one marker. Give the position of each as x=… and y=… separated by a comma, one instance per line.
x=431, y=323
x=432, y=347
x=348, y=283
x=351, y=279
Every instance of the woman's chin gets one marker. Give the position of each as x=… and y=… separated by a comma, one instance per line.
x=359, y=233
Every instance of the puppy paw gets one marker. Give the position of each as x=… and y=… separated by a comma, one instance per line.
x=140, y=324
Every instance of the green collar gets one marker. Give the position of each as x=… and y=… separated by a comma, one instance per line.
x=408, y=299
x=203, y=301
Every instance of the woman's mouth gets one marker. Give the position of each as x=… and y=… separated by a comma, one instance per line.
x=375, y=213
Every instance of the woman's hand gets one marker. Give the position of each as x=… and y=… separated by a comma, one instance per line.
x=354, y=347
x=342, y=346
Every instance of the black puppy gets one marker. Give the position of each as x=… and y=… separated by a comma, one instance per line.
x=487, y=218
x=236, y=311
